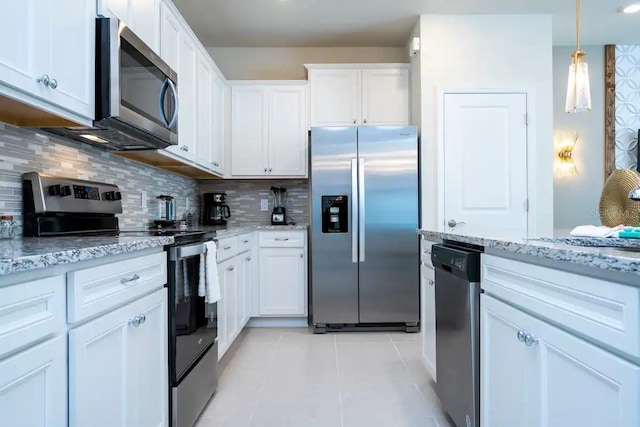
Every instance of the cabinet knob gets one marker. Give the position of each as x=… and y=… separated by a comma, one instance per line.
x=354, y=121
x=53, y=84
x=135, y=321
x=231, y=268
x=143, y=318
x=365, y=120
x=530, y=340
x=45, y=80
x=431, y=282
x=301, y=255
x=265, y=169
x=270, y=170
x=248, y=258
x=129, y=279
x=521, y=336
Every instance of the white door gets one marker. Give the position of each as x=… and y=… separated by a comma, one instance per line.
x=223, y=335
x=282, y=282
x=147, y=365
x=21, y=45
x=485, y=164
x=249, y=130
x=71, y=57
x=170, y=29
x=507, y=368
x=33, y=386
x=385, y=96
x=247, y=277
x=218, y=90
x=335, y=97
x=231, y=292
x=144, y=16
x=428, y=320
x=204, y=110
x=288, y=131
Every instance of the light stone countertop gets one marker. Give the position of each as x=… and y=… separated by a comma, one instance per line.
x=241, y=229
x=599, y=253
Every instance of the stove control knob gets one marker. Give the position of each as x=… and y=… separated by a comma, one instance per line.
x=65, y=190
x=112, y=195
x=54, y=190
x=117, y=195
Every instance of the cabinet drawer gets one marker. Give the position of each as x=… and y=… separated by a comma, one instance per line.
x=98, y=289
x=227, y=248
x=245, y=242
x=30, y=311
x=600, y=311
x=282, y=239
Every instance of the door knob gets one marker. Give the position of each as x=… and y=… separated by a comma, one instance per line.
x=453, y=223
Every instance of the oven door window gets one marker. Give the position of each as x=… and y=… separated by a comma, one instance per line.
x=145, y=89
x=194, y=323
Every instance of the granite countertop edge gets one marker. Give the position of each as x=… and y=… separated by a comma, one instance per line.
x=241, y=229
x=606, y=258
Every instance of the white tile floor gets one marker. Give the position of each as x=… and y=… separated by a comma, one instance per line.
x=292, y=378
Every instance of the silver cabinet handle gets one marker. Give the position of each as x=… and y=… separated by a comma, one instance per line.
x=44, y=80
x=354, y=121
x=365, y=120
x=453, y=223
x=270, y=170
x=431, y=282
x=521, y=336
x=53, y=84
x=226, y=248
x=265, y=169
x=248, y=258
x=231, y=268
x=530, y=340
x=280, y=239
x=143, y=318
x=186, y=148
x=245, y=241
x=183, y=148
x=301, y=255
x=135, y=321
x=130, y=279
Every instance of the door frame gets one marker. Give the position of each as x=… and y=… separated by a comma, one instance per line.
x=532, y=187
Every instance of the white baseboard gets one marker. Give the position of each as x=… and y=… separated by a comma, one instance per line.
x=277, y=322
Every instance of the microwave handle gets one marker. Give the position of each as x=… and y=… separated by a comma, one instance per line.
x=174, y=117
x=161, y=96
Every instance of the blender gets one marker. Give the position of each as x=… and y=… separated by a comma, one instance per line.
x=279, y=216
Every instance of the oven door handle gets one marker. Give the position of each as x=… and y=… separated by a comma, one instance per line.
x=182, y=252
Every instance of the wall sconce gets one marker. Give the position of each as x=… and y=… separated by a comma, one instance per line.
x=565, y=166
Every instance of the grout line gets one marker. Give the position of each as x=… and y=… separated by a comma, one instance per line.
x=335, y=346
x=264, y=381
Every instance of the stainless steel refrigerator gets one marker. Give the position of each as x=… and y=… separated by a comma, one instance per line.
x=364, y=246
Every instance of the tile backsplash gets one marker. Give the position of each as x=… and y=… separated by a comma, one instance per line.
x=243, y=198
x=26, y=150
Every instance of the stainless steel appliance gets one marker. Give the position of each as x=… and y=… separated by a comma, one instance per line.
x=136, y=94
x=279, y=214
x=364, y=246
x=457, y=270
x=55, y=206
x=216, y=212
x=166, y=208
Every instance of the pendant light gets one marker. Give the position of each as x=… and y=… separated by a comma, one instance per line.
x=578, y=89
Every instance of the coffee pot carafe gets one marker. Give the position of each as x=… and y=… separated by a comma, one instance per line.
x=216, y=212
x=166, y=210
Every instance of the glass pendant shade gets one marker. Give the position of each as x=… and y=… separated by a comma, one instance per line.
x=578, y=88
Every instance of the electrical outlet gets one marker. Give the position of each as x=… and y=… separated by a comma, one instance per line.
x=143, y=200
x=264, y=205
x=188, y=204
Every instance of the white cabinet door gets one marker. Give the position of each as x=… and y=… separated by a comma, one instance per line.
x=103, y=356
x=33, y=386
x=282, y=282
x=144, y=19
x=507, y=368
x=170, y=29
x=385, y=96
x=476, y=126
x=335, y=97
x=287, y=131
x=249, y=130
x=204, y=111
x=22, y=36
x=187, y=96
x=244, y=303
x=115, y=9
x=218, y=96
x=223, y=334
x=147, y=367
x=428, y=320
x=231, y=291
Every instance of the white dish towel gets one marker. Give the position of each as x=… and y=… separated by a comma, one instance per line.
x=209, y=286
x=593, y=231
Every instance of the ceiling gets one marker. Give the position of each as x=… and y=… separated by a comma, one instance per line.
x=333, y=23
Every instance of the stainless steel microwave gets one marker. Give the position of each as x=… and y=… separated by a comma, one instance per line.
x=136, y=94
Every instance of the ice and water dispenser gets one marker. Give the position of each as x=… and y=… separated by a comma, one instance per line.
x=335, y=214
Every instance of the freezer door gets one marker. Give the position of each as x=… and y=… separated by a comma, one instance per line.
x=334, y=245
x=389, y=274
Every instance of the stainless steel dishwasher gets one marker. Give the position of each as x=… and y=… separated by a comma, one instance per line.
x=457, y=291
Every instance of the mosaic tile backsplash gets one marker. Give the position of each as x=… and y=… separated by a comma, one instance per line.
x=25, y=150
x=243, y=198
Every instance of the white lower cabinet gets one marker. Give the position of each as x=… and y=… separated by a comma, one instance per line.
x=244, y=300
x=33, y=386
x=428, y=319
x=118, y=367
x=283, y=282
x=534, y=374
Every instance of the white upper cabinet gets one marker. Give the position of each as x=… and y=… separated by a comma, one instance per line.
x=142, y=16
x=359, y=94
x=170, y=29
x=268, y=130
x=335, y=97
x=204, y=108
x=48, y=52
x=219, y=101
x=385, y=96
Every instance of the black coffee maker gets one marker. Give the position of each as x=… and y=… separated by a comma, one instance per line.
x=215, y=210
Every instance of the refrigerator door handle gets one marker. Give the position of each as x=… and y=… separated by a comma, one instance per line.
x=354, y=210
x=361, y=208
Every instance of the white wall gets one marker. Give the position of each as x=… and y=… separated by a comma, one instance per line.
x=576, y=198
x=416, y=77
x=249, y=63
x=490, y=52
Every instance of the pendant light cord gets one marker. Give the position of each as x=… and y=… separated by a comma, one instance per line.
x=578, y=25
